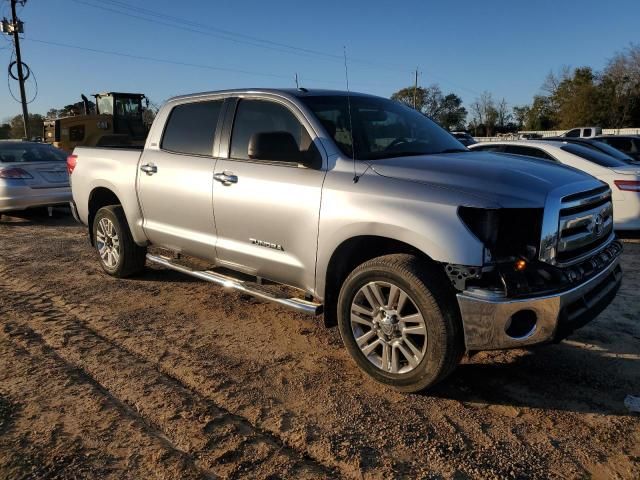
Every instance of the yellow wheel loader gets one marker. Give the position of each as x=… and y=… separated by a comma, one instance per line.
x=116, y=121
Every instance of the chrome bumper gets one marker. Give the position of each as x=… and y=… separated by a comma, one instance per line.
x=485, y=321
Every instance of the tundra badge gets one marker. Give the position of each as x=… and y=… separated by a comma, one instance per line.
x=262, y=243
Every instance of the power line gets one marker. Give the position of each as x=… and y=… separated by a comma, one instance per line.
x=180, y=23
x=236, y=37
x=181, y=63
x=156, y=59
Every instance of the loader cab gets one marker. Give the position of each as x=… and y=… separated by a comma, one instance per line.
x=126, y=112
x=116, y=120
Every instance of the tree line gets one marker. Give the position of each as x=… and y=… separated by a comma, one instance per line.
x=569, y=98
x=581, y=96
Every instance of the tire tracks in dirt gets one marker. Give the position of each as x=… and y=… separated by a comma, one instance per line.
x=63, y=322
x=219, y=441
x=118, y=424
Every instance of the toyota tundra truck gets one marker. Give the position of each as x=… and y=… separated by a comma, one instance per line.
x=416, y=248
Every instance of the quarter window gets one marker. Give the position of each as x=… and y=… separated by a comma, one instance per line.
x=191, y=128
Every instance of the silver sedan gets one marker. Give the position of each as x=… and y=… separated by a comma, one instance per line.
x=32, y=175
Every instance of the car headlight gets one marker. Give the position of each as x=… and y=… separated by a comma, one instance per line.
x=506, y=232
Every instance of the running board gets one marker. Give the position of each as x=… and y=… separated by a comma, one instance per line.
x=297, y=304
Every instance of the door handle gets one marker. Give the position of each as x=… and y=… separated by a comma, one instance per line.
x=149, y=168
x=226, y=178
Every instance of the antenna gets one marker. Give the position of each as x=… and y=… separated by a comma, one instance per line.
x=297, y=86
x=353, y=145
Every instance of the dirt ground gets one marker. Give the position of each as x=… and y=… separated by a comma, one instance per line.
x=162, y=376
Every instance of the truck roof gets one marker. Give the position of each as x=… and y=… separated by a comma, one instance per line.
x=293, y=92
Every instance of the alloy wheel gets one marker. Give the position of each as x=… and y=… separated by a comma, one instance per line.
x=108, y=243
x=388, y=327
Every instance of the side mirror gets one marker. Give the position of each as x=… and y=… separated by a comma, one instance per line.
x=276, y=146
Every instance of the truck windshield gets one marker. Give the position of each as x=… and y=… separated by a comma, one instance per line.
x=381, y=128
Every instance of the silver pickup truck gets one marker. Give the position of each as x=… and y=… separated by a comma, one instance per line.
x=415, y=247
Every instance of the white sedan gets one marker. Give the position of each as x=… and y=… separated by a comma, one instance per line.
x=622, y=177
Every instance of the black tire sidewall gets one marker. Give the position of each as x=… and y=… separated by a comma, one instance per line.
x=429, y=369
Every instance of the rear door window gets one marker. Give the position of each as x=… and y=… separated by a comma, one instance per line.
x=489, y=148
x=30, y=152
x=575, y=133
x=191, y=128
x=587, y=132
x=594, y=156
x=528, y=151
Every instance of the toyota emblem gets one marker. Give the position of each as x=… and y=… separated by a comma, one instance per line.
x=598, y=224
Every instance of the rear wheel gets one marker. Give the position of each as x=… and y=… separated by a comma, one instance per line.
x=399, y=323
x=119, y=255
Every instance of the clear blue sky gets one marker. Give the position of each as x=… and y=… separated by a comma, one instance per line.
x=505, y=47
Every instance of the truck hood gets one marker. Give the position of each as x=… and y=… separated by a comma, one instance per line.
x=503, y=180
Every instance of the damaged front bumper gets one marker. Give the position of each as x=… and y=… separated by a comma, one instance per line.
x=491, y=321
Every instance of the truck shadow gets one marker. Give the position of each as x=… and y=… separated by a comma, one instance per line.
x=562, y=377
x=61, y=217
x=163, y=275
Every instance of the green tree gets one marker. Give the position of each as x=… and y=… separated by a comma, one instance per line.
x=521, y=115
x=540, y=115
x=619, y=89
x=428, y=99
x=52, y=114
x=5, y=131
x=452, y=114
x=36, y=122
x=577, y=99
x=484, y=115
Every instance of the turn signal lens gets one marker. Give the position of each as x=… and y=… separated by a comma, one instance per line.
x=520, y=265
x=14, y=173
x=628, y=185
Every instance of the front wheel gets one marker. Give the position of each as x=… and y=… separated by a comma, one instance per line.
x=399, y=322
x=119, y=255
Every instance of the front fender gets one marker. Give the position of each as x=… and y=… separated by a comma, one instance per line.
x=374, y=207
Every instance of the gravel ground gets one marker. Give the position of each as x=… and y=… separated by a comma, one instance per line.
x=162, y=376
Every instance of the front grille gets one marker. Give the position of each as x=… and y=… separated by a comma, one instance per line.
x=585, y=225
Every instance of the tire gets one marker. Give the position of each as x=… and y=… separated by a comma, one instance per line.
x=423, y=338
x=119, y=255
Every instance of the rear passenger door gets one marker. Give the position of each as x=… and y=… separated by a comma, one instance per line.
x=267, y=212
x=175, y=180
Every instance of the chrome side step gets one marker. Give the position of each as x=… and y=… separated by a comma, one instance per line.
x=297, y=304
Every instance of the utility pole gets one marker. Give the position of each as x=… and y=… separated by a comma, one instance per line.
x=415, y=90
x=16, y=42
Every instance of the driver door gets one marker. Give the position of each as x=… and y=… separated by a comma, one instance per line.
x=267, y=209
